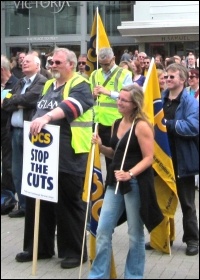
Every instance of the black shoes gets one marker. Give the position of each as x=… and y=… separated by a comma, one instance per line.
x=192, y=248
x=7, y=210
x=71, y=262
x=8, y=201
x=27, y=257
x=148, y=246
x=17, y=213
x=66, y=263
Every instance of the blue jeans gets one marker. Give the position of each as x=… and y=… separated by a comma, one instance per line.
x=17, y=163
x=113, y=207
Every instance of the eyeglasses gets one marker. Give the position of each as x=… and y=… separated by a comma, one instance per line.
x=57, y=62
x=123, y=100
x=170, y=76
x=82, y=62
x=106, y=64
x=192, y=76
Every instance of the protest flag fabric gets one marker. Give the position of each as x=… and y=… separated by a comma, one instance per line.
x=165, y=185
x=96, y=198
x=98, y=39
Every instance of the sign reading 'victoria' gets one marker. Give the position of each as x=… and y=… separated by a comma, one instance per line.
x=57, y=6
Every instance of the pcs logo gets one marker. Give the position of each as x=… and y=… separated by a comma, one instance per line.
x=42, y=139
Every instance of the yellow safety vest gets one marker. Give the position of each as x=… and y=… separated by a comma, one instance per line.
x=106, y=111
x=81, y=127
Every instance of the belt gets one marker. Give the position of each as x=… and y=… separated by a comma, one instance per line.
x=14, y=127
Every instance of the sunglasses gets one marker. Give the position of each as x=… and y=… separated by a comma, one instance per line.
x=170, y=76
x=192, y=76
x=82, y=62
x=105, y=64
x=123, y=100
x=57, y=62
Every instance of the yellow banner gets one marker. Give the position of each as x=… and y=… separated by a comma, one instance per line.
x=98, y=39
x=165, y=185
x=96, y=188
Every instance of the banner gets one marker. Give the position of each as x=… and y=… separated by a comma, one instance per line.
x=96, y=198
x=40, y=163
x=98, y=39
x=165, y=185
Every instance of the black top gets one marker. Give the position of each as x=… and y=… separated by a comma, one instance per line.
x=149, y=211
x=9, y=85
x=69, y=161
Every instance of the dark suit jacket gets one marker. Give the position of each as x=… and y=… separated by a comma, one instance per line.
x=28, y=100
x=9, y=85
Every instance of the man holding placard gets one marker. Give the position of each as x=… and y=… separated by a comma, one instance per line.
x=66, y=102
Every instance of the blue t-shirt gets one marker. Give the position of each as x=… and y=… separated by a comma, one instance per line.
x=140, y=81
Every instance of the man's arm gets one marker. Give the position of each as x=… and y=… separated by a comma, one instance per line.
x=28, y=99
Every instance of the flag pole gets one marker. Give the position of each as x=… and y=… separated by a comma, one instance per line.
x=88, y=198
x=97, y=48
x=97, y=37
x=125, y=152
x=148, y=74
x=36, y=232
x=93, y=150
x=87, y=209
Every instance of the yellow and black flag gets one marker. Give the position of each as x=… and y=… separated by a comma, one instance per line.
x=94, y=192
x=164, y=181
x=98, y=39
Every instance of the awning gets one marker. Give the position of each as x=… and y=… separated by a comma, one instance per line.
x=158, y=27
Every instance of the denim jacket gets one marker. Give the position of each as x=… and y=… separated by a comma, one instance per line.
x=185, y=127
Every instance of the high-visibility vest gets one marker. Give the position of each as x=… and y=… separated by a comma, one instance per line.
x=81, y=127
x=105, y=110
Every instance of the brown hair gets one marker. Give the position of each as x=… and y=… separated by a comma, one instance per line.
x=137, y=96
x=194, y=72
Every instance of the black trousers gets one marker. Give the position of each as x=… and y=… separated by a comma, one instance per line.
x=68, y=215
x=186, y=195
x=6, y=157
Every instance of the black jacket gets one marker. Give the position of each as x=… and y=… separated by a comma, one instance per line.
x=8, y=86
x=28, y=100
x=17, y=71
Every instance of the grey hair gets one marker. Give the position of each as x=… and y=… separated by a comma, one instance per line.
x=105, y=53
x=37, y=60
x=70, y=55
x=5, y=63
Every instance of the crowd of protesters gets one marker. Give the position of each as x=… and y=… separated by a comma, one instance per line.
x=179, y=85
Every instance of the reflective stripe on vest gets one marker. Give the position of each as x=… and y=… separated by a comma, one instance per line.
x=102, y=104
x=106, y=111
x=81, y=127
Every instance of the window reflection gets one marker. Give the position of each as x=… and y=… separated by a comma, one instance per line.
x=37, y=20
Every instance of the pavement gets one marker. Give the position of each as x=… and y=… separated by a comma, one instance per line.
x=158, y=265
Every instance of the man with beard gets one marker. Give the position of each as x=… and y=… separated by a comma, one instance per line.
x=66, y=101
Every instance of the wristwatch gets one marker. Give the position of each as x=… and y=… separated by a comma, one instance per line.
x=131, y=174
x=50, y=115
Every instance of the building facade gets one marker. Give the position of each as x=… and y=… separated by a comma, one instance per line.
x=166, y=28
